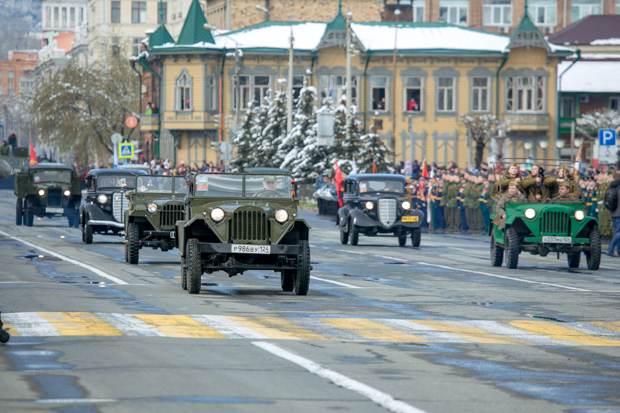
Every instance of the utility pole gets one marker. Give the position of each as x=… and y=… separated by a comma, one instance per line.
x=349, y=85
x=289, y=86
x=237, y=86
x=393, y=108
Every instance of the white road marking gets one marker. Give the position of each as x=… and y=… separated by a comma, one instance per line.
x=352, y=252
x=30, y=325
x=334, y=282
x=390, y=258
x=382, y=399
x=517, y=334
x=594, y=330
x=131, y=326
x=422, y=331
x=69, y=260
x=227, y=327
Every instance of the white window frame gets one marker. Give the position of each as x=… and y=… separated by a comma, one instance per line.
x=406, y=88
x=260, y=90
x=570, y=102
x=112, y=9
x=386, y=92
x=489, y=12
x=165, y=7
x=417, y=13
x=534, y=11
x=615, y=99
x=244, y=92
x=453, y=14
x=617, y=7
x=80, y=16
x=141, y=12
x=526, y=98
x=56, y=18
x=47, y=18
x=64, y=18
x=449, y=104
x=72, y=17
x=136, y=46
x=337, y=85
x=181, y=92
x=478, y=93
x=584, y=10
x=212, y=104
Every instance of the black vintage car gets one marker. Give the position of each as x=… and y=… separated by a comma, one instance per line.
x=377, y=204
x=103, y=210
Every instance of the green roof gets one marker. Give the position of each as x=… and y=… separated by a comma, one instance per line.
x=519, y=39
x=159, y=37
x=339, y=22
x=193, y=29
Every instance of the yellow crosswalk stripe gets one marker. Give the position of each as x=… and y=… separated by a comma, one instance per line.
x=286, y=326
x=80, y=324
x=264, y=329
x=8, y=327
x=469, y=332
x=179, y=326
x=372, y=330
x=559, y=332
x=610, y=325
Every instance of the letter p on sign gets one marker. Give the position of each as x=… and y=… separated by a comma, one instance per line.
x=607, y=137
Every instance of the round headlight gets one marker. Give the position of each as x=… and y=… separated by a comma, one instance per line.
x=406, y=205
x=530, y=213
x=217, y=214
x=369, y=205
x=67, y=192
x=579, y=215
x=41, y=192
x=102, y=199
x=281, y=216
x=152, y=207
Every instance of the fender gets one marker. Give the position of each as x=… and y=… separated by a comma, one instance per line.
x=95, y=213
x=343, y=218
x=361, y=219
x=421, y=217
x=303, y=228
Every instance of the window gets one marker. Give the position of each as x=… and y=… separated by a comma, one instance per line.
x=497, y=13
x=542, y=12
x=80, y=16
x=244, y=91
x=614, y=103
x=378, y=92
x=334, y=86
x=10, y=84
x=56, y=17
x=567, y=107
x=48, y=16
x=525, y=94
x=72, y=17
x=212, y=93
x=453, y=12
x=138, y=12
x=184, y=92
x=162, y=8
x=417, y=11
x=298, y=83
x=261, y=88
x=413, y=94
x=136, y=46
x=583, y=8
x=63, y=17
x=617, y=7
x=116, y=12
x=445, y=94
x=480, y=94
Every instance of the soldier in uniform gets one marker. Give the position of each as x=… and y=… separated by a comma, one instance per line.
x=443, y=202
x=461, y=206
x=484, y=209
x=511, y=174
x=269, y=188
x=453, y=220
x=604, y=218
x=564, y=192
x=533, y=185
x=438, y=216
x=513, y=195
x=593, y=210
x=563, y=176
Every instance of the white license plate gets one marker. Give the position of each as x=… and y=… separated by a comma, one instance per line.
x=557, y=240
x=251, y=249
x=54, y=210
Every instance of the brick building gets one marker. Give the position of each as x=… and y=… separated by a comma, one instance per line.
x=15, y=73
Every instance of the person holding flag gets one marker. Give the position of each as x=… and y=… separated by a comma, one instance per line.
x=339, y=179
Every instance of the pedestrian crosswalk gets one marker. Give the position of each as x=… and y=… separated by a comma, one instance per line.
x=393, y=330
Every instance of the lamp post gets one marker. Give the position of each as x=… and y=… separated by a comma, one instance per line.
x=349, y=86
x=289, y=86
x=393, y=137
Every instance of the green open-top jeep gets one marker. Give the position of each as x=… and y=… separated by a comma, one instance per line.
x=47, y=190
x=240, y=222
x=155, y=206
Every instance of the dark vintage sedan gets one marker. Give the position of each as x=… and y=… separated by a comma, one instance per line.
x=378, y=205
x=104, y=206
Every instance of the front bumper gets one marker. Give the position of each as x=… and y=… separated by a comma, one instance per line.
x=535, y=245
x=43, y=212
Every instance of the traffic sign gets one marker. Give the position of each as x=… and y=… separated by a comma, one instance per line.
x=607, y=137
x=226, y=147
x=125, y=150
x=131, y=122
x=116, y=138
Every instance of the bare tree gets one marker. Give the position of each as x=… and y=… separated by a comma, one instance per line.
x=482, y=127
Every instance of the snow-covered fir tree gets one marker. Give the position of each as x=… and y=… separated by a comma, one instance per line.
x=260, y=118
x=304, y=120
x=274, y=132
x=243, y=141
x=372, y=149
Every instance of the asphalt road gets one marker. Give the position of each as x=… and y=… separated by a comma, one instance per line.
x=434, y=329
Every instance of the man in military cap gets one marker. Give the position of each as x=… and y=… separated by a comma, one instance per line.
x=533, y=184
x=563, y=176
x=513, y=195
x=564, y=192
x=269, y=188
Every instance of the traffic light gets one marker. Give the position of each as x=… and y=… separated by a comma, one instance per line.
x=227, y=121
x=217, y=118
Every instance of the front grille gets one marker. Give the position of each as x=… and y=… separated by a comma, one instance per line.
x=555, y=223
x=387, y=211
x=249, y=226
x=170, y=214
x=54, y=197
x=120, y=204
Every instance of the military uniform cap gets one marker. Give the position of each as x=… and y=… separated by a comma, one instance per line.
x=564, y=184
x=513, y=164
x=512, y=183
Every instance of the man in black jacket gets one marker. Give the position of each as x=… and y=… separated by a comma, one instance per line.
x=615, y=217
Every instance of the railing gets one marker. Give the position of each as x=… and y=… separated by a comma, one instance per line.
x=149, y=120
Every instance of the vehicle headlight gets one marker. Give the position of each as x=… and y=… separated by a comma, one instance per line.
x=406, y=205
x=579, y=215
x=42, y=192
x=281, y=216
x=217, y=214
x=369, y=205
x=152, y=207
x=102, y=199
x=67, y=192
x=530, y=213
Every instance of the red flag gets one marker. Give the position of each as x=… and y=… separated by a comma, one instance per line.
x=33, y=157
x=338, y=183
x=374, y=167
x=424, y=169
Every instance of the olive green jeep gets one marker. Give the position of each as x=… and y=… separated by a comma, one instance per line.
x=47, y=190
x=240, y=222
x=155, y=206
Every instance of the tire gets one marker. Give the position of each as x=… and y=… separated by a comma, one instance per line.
x=302, y=278
x=573, y=260
x=133, y=243
x=183, y=274
x=512, y=252
x=287, y=280
x=194, y=267
x=88, y=233
x=416, y=237
x=593, y=257
x=19, y=212
x=4, y=336
x=344, y=236
x=354, y=233
x=83, y=230
x=29, y=218
x=126, y=253
x=402, y=241
x=497, y=253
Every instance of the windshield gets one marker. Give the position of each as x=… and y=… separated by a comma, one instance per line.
x=51, y=176
x=115, y=181
x=160, y=184
x=219, y=185
x=268, y=186
x=372, y=186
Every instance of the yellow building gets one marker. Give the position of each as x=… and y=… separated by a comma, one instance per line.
x=445, y=69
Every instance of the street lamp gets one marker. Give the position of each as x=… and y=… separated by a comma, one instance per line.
x=349, y=84
x=393, y=138
x=544, y=144
x=560, y=143
x=578, y=142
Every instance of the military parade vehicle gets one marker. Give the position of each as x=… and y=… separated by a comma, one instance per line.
x=103, y=210
x=47, y=190
x=378, y=205
x=550, y=225
x=240, y=222
x=155, y=206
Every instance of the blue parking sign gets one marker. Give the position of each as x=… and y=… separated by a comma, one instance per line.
x=607, y=137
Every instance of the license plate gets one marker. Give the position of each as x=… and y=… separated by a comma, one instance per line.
x=251, y=249
x=54, y=210
x=410, y=219
x=557, y=240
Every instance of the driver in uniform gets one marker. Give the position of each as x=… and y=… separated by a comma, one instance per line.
x=269, y=188
x=564, y=189
x=513, y=195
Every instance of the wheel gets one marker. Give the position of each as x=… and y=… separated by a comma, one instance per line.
x=133, y=243
x=183, y=274
x=513, y=248
x=344, y=236
x=574, y=259
x=4, y=336
x=194, y=267
x=84, y=232
x=28, y=214
x=497, y=253
x=19, y=212
x=416, y=237
x=302, y=278
x=354, y=233
x=287, y=280
x=126, y=253
x=402, y=241
x=593, y=257
x=88, y=233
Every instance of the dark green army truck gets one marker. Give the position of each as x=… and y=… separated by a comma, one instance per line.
x=240, y=222
x=47, y=190
x=155, y=206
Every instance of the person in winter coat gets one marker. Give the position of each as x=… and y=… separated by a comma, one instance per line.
x=615, y=217
x=5, y=150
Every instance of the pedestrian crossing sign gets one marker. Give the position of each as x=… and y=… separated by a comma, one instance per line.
x=125, y=150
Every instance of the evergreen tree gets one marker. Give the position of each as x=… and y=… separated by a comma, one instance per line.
x=372, y=149
x=274, y=131
x=303, y=122
x=243, y=141
x=259, y=123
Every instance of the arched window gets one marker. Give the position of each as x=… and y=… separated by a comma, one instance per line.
x=184, y=92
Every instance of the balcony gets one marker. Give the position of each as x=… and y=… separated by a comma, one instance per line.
x=149, y=122
x=529, y=121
